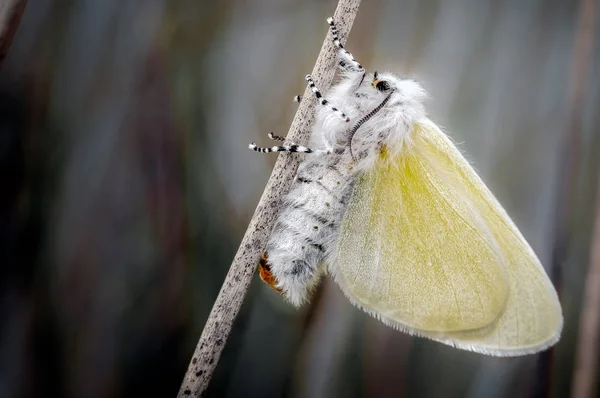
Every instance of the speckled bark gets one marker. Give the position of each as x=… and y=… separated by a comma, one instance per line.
x=229, y=300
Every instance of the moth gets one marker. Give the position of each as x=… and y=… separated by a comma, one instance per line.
x=387, y=205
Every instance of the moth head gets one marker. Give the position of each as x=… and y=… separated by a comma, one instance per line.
x=403, y=92
x=380, y=84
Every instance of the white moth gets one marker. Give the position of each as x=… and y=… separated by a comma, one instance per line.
x=386, y=204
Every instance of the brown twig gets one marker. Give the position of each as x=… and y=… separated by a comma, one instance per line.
x=10, y=16
x=229, y=300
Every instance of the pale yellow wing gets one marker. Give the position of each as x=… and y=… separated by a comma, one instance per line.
x=415, y=250
x=426, y=247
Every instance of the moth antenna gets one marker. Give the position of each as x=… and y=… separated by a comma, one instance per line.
x=349, y=58
x=365, y=118
x=323, y=101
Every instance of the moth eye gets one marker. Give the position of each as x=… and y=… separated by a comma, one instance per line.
x=382, y=86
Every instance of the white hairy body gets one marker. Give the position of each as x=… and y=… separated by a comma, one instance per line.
x=301, y=247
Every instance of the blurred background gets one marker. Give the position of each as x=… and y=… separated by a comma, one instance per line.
x=127, y=185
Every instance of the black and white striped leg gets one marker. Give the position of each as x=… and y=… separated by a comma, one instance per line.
x=275, y=137
x=278, y=138
x=286, y=148
x=347, y=61
x=323, y=101
x=298, y=98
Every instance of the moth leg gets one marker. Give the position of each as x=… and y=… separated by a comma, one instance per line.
x=298, y=98
x=323, y=101
x=328, y=147
x=347, y=61
x=286, y=148
x=277, y=138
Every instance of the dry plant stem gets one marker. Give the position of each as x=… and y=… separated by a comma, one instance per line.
x=588, y=341
x=569, y=168
x=586, y=360
x=589, y=320
x=229, y=300
x=588, y=344
x=571, y=142
x=10, y=16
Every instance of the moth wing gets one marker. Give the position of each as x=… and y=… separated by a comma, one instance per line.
x=414, y=250
x=426, y=248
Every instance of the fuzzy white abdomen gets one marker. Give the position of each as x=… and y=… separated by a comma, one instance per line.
x=307, y=226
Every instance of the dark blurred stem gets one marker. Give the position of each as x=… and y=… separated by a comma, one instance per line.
x=586, y=361
x=569, y=169
x=226, y=307
x=10, y=16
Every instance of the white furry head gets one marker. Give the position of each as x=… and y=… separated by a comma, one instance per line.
x=407, y=96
